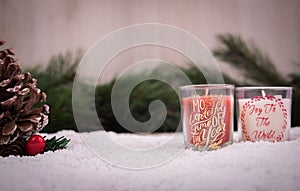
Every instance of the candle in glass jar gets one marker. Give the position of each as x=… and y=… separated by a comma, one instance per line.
x=264, y=113
x=207, y=119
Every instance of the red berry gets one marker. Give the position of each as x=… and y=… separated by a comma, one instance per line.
x=35, y=145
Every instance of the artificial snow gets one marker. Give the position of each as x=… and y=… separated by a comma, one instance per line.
x=240, y=166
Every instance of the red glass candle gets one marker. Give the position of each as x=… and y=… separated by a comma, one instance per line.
x=207, y=112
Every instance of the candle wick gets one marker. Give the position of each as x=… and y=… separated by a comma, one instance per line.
x=206, y=91
x=263, y=93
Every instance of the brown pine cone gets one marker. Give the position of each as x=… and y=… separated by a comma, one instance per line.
x=19, y=115
x=16, y=148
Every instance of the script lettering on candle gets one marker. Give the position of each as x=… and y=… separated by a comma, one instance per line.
x=208, y=120
x=263, y=118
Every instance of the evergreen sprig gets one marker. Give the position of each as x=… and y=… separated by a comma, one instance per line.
x=255, y=65
x=57, y=80
x=54, y=143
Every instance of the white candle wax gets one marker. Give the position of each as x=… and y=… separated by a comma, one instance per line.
x=264, y=118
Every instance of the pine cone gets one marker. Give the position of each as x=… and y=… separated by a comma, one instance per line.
x=19, y=117
x=16, y=148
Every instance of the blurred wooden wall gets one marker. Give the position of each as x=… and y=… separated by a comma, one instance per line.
x=39, y=29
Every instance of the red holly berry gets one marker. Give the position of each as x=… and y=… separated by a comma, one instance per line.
x=35, y=145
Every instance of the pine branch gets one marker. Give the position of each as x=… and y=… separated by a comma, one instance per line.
x=253, y=63
x=257, y=66
x=60, y=70
x=54, y=143
x=295, y=79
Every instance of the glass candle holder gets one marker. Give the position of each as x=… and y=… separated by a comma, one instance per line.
x=207, y=115
x=264, y=113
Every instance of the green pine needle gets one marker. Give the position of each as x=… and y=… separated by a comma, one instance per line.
x=249, y=60
x=254, y=65
x=54, y=143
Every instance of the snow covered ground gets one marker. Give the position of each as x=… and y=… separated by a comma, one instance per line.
x=240, y=166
